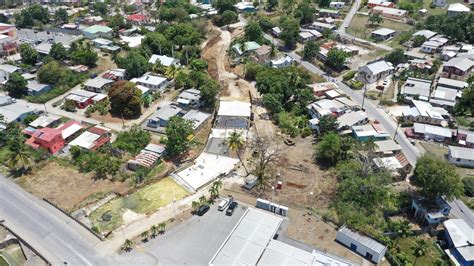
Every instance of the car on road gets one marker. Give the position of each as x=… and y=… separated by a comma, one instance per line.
x=223, y=204
x=231, y=208
x=202, y=210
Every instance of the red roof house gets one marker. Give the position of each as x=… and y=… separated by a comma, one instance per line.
x=53, y=139
x=137, y=19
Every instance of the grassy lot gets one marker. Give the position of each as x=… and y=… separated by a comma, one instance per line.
x=12, y=255
x=437, y=10
x=143, y=201
x=4, y=154
x=3, y=262
x=440, y=152
x=360, y=28
x=429, y=259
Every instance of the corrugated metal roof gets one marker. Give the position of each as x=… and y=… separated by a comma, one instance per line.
x=363, y=240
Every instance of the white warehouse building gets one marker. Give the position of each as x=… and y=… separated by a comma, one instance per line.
x=365, y=246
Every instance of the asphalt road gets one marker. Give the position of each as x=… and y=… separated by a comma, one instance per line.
x=372, y=110
x=53, y=234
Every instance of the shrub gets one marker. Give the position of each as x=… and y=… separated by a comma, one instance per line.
x=349, y=75
x=356, y=84
x=468, y=186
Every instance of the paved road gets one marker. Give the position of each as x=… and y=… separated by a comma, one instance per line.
x=372, y=110
x=52, y=233
x=461, y=211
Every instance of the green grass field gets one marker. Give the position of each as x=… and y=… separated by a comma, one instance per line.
x=360, y=28
x=3, y=262
x=143, y=201
x=429, y=259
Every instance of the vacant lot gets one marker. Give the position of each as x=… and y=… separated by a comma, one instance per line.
x=66, y=186
x=360, y=28
x=141, y=202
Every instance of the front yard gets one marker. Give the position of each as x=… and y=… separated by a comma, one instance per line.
x=144, y=201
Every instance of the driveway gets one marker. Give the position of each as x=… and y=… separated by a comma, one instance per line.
x=194, y=241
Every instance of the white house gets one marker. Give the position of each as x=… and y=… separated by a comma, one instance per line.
x=282, y=62
x=164, y=60
x=152, y=82
x=375, y=71
x=383, y=34
x=457, y=9
x=367, y=247
x=461, y=156
x=233, y=114
x=309, y=35
x=337, y=5
x=5, y=72
x=417, y=88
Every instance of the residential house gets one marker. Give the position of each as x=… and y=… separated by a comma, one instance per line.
x=8, y=37
x=83, y=98
x=309, y=35
x=388, y=12
x=415, y=88
x=350, y=119
x=197, y=118
x=14, y=111
x=461, y=156
x=5, y=72
x=93, y=20
x=152, y=82
x=428, y=34
x=98, y=84
x=97, y=31
x=53, y=139
x=429, y=212
x=44, y=121
x=457, y=68
x=331, y=13
x=233, y=115
x=429, y=132
x=35, y=88
x=440, y=3
x=99, y=42
x=326, y=107
x=262, y=54
x=457, y=9
x=43, y=48
x=374, y=3
x=370, y=131
x=189, y=98
x=430, y=47
x=321, y=27
x=248, y=47
x=334, y=94
x=444, y=97
x=163, y=114
x=164, y=60
x=452, y=84
x=245, y=7
x=282, y=62
x=449, y=52
x=397, y=165
x=383, y=34
x=374, y=71
x=424, y=112
x=465, y=138
x=337, y=5
x=93, y=138
x=114, y=74
x=147, y=157
x=137, y=19
x=365, y=246
x=459, y=238
x=319, y=89
x=276, y=31
x=387, y=147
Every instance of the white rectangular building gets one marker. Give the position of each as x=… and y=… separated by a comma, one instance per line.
x=461, y=156
x=365, y=246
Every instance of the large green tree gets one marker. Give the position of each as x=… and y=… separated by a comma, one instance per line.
x=16, y=86
x=396, y=57
x=58, y=52
x=28, y=54
x=290, y=29
x=209, y=90
x=436, y=178
x=327, y=124
x=20, y=155
x=60, y=16
x=310, y=50
x=53, y=73
x=253, y=32
x=178, y=131
x=336, y=59
x=157, y=43
x=328, y=150
x=125, y=100
x=132, y=139
x=134, y=63
x=375, y=18
x=84, y=54
x=305, y=12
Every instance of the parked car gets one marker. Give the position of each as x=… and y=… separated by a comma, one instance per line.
x=223, y=204
x=231, y=208
x=202, y=210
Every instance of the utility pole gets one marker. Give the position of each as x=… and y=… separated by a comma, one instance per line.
x=396, y=129
x=363, y=98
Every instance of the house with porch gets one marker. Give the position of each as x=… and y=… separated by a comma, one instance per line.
x=430, y=212
x=374, y=71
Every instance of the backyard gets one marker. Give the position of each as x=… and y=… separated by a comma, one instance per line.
x=359, y=27
x=144, y=201
x=432, y=255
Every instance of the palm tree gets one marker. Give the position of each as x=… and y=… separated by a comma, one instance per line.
x=19, y=156
x=273, y=52
x=214, y=190
x=171, y=71
x=127, y=245
x=154, y=231
x=202, y=200
x=420, y=248
x=162, y=227
x=236, y=143
x=144, y=236
x=157, y=67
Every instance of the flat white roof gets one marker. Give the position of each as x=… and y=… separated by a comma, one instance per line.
x=383, y=31
x=69, y=131
x=85, y=140
x=234, y=108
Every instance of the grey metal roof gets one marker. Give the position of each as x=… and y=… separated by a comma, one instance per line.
x=167, y=111
x=461, y=153
x=379, y=66
x=387, y=145
x=415, y=86
x=452, y=83
x=368, y=242
x=463, y=64
x=34, y=85
x=196, y=117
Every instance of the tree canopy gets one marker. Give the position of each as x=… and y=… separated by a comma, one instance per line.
x=336, y=58
x=135, y=64
x=83, y=53
x=58, y=52
x=125, y=100
x=31, y=15
x=16, y=86
x=290, y=29
x=178, y=131
x=436, y=178
x=396, y=57
x=253, y=32
x=310, y=50
x=28, y=54
x=132, y=140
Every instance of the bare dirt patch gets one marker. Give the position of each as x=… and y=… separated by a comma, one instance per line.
x=65, y=186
